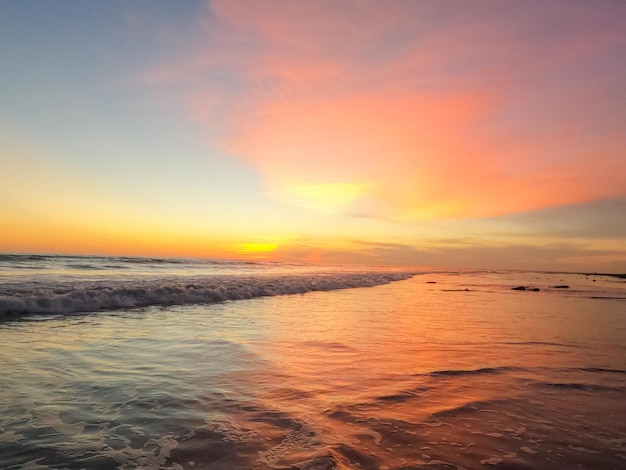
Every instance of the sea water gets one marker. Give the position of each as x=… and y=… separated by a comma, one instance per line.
x=135, y=363
x=41, y=284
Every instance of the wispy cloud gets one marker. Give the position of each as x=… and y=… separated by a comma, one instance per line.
x=605, y=219
x=572, y=256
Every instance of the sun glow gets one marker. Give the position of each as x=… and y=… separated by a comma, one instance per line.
x=325, y=197
x=258, y=249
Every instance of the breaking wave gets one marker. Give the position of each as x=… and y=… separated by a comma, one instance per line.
x=109, y=295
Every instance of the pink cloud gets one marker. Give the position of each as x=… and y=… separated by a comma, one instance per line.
x=439, y=109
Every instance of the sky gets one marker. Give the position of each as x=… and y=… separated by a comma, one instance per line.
x=472, y=134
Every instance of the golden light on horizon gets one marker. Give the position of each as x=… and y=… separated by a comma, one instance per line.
x=255, y=249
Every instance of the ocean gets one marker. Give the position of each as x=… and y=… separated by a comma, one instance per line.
x=120, y=362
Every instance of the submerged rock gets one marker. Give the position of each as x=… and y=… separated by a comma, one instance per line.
x=560, y=287
x=532, y=289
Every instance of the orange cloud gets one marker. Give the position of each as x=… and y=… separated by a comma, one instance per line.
x=423, y=110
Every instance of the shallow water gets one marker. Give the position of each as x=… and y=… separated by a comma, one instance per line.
x=462, y=373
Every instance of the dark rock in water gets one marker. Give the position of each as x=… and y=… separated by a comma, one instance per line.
x=518, y=288
x=431, y=282
x=532, y=289
x=560, y=287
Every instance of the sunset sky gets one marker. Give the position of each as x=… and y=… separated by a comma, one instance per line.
x=486, y=134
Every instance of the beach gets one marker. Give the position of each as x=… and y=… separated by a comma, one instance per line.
x=440, y=369
x=312, y=235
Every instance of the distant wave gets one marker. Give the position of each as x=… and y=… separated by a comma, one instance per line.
x=463, y=372
x=133, y=260
x=504, y=369
x=539, y=343
x=600, y=370
x=402, y=396
x=415, y=392
x=606, y=297
x=91, y=259
x=86, y=267
x=585, y=387
x=471, y=407
x=107, y=295
x=13, y=258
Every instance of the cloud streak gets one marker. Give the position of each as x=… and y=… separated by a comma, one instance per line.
x=605, y=219
x=572, y=256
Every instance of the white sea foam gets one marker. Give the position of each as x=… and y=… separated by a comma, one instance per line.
x=29, y=298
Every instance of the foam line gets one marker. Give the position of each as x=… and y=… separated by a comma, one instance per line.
x=108, y=295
